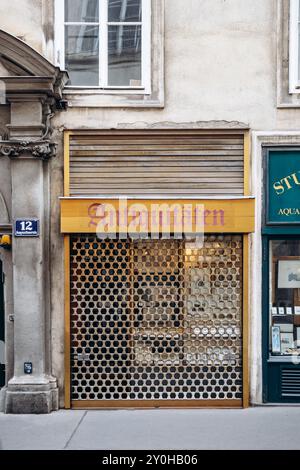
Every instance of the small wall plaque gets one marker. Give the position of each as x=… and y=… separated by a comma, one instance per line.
x=28, y=368
x=27, y=228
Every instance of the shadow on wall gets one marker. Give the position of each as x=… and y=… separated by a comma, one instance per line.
x=4, y=218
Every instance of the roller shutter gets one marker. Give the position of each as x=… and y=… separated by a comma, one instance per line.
x=175, y=163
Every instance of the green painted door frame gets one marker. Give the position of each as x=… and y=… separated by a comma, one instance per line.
x=281, y=221
x=2, y=332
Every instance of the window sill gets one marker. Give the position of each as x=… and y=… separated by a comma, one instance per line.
x=288, y=105
x=112, y=98
x=294, y=90
x=88, y=90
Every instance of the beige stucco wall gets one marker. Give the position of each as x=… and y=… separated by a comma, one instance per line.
x=220, y=62
x=220, y=65
x=23, y=18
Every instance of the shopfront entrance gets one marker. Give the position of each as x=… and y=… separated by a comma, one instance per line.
x=156, y=321
x=281, y=277
x=156, y=227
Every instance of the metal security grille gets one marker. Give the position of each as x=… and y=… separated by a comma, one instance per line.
x=156, y=320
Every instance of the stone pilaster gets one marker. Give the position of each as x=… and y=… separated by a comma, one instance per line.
x=33, y=89
x=38, y=392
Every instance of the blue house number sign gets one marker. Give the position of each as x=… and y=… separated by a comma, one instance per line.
x=27, y=228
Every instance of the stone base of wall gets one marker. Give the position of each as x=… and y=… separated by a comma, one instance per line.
x=31, y=399
x=31, y=403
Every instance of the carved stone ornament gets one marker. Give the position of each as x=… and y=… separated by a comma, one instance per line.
x=43, y=150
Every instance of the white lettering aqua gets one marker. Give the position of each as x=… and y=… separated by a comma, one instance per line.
x=289, y=211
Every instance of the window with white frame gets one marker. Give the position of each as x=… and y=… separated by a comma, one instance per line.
x=294, y=54
x=105, y=44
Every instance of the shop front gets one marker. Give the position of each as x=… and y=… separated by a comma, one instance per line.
x=281, y=276
x=156, y=286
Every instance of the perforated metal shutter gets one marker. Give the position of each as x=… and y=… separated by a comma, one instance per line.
x=157, y=163
x=156, y=319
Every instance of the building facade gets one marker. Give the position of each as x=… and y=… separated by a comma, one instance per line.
x=128, y=118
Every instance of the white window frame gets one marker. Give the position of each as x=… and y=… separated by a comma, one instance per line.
x=60, y=23
x=294, y=79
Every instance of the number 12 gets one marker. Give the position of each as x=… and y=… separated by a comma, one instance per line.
x=26, y=226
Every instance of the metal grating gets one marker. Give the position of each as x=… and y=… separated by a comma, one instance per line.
x=290, y=383
x=155, y=320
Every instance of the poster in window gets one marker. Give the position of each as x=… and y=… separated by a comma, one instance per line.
x=289, y=274
x=276, y=345
x=287, y=342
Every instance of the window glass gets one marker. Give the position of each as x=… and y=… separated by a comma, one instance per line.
x=121, y=51
x=82, y=54
x=82, y=11
x=124, y=10
x=124, y=55
x=285, y=297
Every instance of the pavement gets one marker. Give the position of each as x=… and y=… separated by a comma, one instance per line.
x=259, y=428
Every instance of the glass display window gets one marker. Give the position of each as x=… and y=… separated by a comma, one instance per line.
x=284, y=338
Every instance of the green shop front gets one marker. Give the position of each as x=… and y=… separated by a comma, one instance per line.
x=281, y=276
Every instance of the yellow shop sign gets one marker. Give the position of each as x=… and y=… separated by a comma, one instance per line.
x=131, y=216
